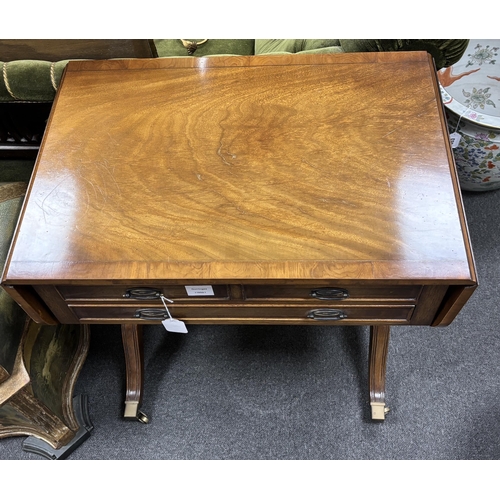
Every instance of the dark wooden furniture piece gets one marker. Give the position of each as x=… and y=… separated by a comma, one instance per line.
x=290, y=189
x=60, y=49
x=36, y=397
x=22, y=124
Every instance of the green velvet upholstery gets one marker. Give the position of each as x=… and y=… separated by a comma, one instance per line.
x=270, y=46
x=28, y=80
x=444, y=52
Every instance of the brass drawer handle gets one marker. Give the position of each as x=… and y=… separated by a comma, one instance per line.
x=142, y=293
x=326, y=314
x=151, y=314
x=330, y=293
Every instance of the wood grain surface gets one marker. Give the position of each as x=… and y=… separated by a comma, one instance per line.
x=245, y=168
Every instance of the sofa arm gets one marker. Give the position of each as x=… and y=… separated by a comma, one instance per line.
x=30, y=80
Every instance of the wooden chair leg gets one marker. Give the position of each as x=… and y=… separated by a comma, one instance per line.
x=132, y=339
x=379, y=345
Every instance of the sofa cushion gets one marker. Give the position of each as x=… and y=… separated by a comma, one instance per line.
x=444, y=52
x=292, y=45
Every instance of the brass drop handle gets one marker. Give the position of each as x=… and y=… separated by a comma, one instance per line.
x=142, y=293
x=326, y=314
x=151, y=314
x=330, y=293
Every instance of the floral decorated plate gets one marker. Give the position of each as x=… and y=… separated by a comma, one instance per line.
x=471, y=87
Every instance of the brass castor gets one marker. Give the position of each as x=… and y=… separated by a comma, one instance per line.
x=132, y=412
x=142, y=417
x=379, y=411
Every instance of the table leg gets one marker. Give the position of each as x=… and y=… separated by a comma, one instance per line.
x=134, y=363
x=379, y=344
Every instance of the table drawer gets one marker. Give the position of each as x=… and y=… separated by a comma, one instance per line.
x=135, y=293
x=332, y=293
x=240, y=313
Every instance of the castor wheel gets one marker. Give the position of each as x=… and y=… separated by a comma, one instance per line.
x=142, y=417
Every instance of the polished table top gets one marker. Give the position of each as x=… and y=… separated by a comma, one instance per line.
x=245, y=168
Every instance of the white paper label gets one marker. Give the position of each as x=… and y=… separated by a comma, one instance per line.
x=174, y=325
x=193, y=290
x=455, y=139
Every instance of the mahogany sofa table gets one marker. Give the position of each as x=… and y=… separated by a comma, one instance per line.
x=301, y=189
